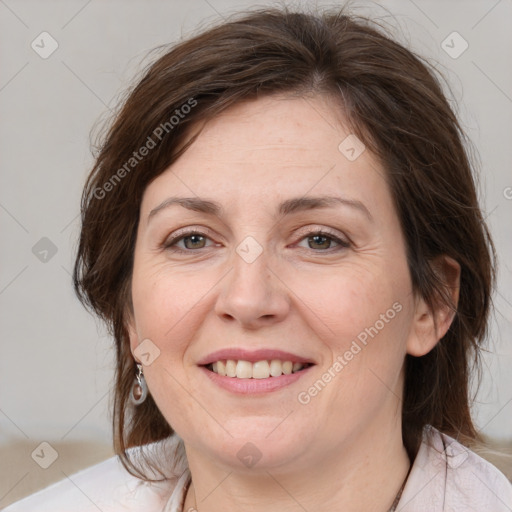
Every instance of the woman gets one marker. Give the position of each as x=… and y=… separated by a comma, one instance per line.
x=282, y=231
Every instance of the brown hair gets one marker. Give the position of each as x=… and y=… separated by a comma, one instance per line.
x=393, y=102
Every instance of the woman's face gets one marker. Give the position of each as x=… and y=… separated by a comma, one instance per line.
x=273, y=275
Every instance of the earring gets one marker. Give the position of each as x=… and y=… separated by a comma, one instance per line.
x=139, y=391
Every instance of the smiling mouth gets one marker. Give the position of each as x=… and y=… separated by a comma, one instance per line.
x=264, y=369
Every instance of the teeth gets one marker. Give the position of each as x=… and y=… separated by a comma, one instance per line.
x=243, y=370
x=260, y=370
x=231, y=368
x=276, y=368
x=288, y=367
x=221, y=368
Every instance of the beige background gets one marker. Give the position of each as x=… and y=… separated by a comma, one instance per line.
x=56, y=363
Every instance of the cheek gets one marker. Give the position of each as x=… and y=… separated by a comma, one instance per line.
x=369, y=321
x=352, y=299
x=168, y=306
x=368, y=312
x=168, y=311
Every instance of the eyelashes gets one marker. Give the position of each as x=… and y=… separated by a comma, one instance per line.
x=171, y=244
x=196, y=238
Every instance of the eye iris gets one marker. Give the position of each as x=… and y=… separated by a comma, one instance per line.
x=321, y=241
x=325, y=238
x=196, y=238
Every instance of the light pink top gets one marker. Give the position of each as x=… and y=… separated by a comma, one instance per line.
x=445, y=477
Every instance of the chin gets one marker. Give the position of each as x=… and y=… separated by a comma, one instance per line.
x=256, y=444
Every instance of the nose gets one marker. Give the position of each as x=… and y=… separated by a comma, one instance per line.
x=252, y=294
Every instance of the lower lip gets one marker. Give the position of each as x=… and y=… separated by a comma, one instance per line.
x=250, y=386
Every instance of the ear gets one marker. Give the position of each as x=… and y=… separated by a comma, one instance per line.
x=430, y=325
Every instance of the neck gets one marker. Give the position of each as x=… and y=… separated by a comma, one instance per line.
x=364, y=473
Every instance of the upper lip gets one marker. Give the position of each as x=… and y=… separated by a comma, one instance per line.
x=252, y=356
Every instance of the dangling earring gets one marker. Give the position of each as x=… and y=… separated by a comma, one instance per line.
x=139, y=390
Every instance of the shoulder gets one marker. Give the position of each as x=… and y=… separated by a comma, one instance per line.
x=106, y=486
x=447, y=476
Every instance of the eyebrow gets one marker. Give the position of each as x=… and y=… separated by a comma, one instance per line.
x=288, y=207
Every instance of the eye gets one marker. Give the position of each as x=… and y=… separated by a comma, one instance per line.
x=192, y=240
x=322, y=240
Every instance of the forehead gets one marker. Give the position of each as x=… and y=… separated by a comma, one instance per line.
x=274, y=146
x=275, y=128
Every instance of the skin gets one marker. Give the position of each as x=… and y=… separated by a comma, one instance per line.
x=306, y=297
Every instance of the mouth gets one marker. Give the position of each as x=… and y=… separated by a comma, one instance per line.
x=264, y=369
x=261, y=371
